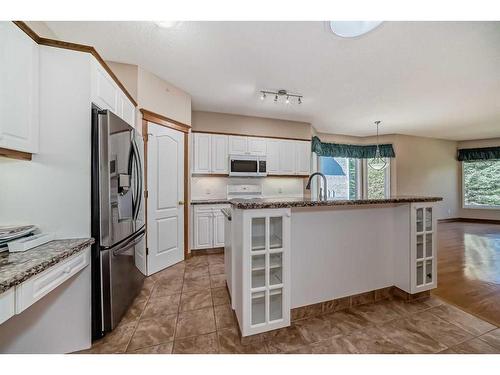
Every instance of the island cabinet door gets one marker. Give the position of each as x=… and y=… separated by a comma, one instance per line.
x=423, y=247
x=266, y=270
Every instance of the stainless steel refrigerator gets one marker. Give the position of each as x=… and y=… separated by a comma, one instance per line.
x=116, y=203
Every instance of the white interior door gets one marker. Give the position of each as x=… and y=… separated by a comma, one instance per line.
x=165, y=209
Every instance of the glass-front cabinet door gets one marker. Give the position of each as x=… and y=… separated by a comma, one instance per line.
x=268, y=248
x=423, y=247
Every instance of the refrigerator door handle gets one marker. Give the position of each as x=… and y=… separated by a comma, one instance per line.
x=138, y=178
x=132, y=242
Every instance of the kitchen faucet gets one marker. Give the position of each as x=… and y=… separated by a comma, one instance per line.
x=308, y=186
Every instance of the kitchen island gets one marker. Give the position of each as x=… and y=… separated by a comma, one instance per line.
x=296, y=255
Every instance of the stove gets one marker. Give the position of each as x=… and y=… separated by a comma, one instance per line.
x=244, y=191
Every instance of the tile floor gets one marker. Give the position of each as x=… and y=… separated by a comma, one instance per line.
x=185, y=309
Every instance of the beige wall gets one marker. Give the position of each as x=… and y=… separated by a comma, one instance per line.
x=161, y=97
x=153, y=93
x=238, y=124
x=427, y=166
x=475, y=213
x=423, y=166
x=127, y=74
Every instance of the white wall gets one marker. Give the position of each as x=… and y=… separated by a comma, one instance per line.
x=41, y=28
x=53, y=190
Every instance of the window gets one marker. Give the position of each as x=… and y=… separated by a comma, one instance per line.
x=377, y=183
x=349, y=178
x=481, y=184
x=341, y=177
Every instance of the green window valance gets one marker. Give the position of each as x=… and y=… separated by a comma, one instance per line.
x=483, y=153
x=350, y=151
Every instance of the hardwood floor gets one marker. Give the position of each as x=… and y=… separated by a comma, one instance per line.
x=469, y=268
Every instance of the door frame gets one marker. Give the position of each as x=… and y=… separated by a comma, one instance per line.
x=147, y=117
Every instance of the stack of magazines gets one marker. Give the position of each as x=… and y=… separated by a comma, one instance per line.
x=8, y=234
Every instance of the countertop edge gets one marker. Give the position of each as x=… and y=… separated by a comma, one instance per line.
x=208, y=202
x=41, y=267
x=360, y=202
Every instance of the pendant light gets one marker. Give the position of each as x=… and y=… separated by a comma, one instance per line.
x=378, y=163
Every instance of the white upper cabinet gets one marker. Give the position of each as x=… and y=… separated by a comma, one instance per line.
x=107, y=95
x=19, y=90
x=210, y=153
x=202, y=146
x=127, y=109
x=247, y=145
x=302, y=157
x=220, y=159
x=273, y=156
x=284, y=157
x=287, y=157
x=257, y=146
x=238, y=145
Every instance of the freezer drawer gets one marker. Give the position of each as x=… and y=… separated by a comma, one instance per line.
x=121, y=280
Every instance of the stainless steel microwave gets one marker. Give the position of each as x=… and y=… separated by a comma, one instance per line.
x=247, y=166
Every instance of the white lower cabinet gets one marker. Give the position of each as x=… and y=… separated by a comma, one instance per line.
x=7, y=305
x=423, y=259
x=203, y=232
x=266, y=270
x=19, y=298
x=218, y=230
x=40, y=285
x=208, y=226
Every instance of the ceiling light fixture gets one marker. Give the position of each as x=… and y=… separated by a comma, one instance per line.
x=288, y=97
x=352, y=29
x=378, y=163
x=166, y=24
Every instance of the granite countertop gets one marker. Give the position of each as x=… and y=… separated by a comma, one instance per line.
x=16, y=268
x=308, y=202
x=209, y=201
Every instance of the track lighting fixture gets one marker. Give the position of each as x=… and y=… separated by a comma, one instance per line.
x=288, y=97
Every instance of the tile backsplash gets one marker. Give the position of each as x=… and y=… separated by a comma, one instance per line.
x=272, y=187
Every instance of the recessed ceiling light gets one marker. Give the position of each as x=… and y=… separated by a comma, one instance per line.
x=351, y=29
x=166, y=24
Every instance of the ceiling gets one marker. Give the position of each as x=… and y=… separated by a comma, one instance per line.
x=434, y=79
